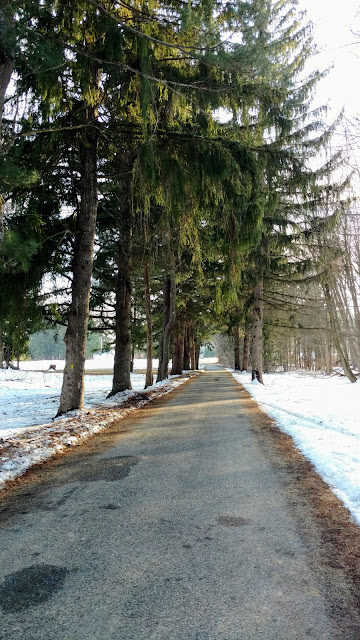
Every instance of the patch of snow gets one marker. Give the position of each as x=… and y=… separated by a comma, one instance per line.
x=29, y=400
x=321, y=414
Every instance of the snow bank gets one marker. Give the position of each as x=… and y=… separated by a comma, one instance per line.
x=322, y=415
x=31, y=398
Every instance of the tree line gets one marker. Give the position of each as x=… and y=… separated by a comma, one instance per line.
x=129, y=204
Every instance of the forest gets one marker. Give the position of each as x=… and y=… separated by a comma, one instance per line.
x=164, y=178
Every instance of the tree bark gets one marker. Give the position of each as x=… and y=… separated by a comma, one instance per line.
x=342, y=304
x=8, y=353
x=237, y=348
x=1, y=350
x=339, y=347
x=326, y=343
x=246, y=350
x=149, y=379
x=285, y=357
x=257, y=333
x=307, y=350
x=186, y=362
x=192, y=347
x=165, y=320
x=197, y=356
x=72, y=393
x=122, y=358
x=170, y=316
x=132, y=358
x=178, y=347
x=6, y=70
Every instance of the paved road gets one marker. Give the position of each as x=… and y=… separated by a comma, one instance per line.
x=178, y=529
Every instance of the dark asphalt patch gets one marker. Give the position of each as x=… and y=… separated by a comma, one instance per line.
x=110, y=506
x=233, y=521
x=30, y=586
x=108, y=469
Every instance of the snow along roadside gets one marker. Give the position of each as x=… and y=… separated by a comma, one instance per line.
x=321, y=414
x=37, y=444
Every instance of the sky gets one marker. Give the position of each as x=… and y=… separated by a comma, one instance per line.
x=335, y=26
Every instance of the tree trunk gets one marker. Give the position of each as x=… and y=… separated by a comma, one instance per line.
x=6, y=70
x=72, y=393
x=327, y=352
x=237, y=348
x=8, y=354
x=307, y=357
x=186, y=363
x=246, y=350
x=197, y=356
x=132, y=358
x=170, y=315
x=165, y=318
x=149, y=379
x=178, y=347
x=192, y=346
x=318, y=360
x=257, y=333
x=1, y=350
x=122, y=358
x=339, y=347
x=285, y=357
x=342, y=304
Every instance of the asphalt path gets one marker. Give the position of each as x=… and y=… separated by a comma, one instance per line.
x=173, y=526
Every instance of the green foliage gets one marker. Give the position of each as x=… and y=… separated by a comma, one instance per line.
x=222, y=202
x=16, y=252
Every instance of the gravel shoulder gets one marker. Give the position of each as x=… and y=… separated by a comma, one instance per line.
x=193, y=518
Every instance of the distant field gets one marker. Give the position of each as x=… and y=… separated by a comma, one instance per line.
x=100, y=365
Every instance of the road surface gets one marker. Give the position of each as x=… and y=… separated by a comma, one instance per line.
x=174, y=525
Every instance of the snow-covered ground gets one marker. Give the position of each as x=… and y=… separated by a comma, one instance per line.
x=29, y=399
x=322, y=415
